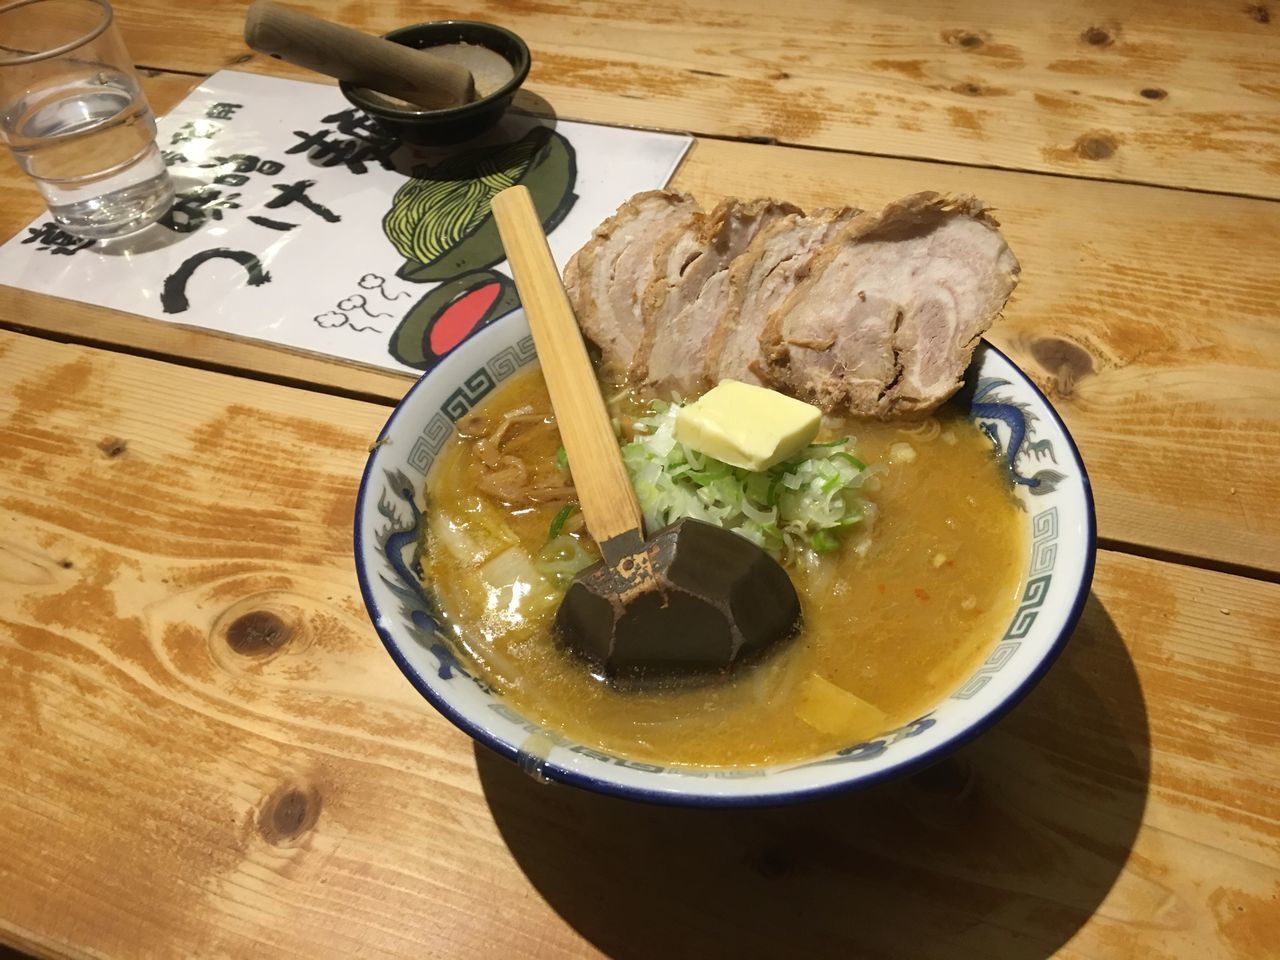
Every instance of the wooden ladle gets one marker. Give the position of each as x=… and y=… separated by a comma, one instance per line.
x=692, y=597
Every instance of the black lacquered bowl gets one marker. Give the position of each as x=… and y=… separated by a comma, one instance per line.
x=454, y=124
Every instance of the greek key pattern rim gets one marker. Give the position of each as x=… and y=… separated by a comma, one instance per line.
x=510, y=359
x=1044, y=533
x=475, y=387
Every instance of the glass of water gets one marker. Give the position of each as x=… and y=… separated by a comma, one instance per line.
x=75, y=119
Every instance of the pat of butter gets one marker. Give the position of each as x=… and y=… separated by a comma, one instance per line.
x=747, y=426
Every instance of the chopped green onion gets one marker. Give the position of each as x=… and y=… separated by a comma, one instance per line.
x=824, y=541
x=561, y=559
x=849, y=458
x=802, y=504
x=830, y=443
x=562, y=459
x=557, y=524
x=774, y=493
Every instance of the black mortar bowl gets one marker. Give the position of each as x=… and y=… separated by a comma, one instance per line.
x=453, y=124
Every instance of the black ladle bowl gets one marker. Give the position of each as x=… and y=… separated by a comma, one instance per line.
x=690, y=598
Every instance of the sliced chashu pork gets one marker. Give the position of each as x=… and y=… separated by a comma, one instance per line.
x=690, y=295
x=761, y=279
x=888, y=318
x=606, y=279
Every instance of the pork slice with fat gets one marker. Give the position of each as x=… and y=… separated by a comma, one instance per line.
x=762, y=278
x=606, y=279
x=976, y=273
x=886, y=322
x=690, y=295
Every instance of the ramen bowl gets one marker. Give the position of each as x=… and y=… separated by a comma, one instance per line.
x=1045, y=474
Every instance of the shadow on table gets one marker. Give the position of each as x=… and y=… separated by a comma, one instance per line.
x=1002, y=850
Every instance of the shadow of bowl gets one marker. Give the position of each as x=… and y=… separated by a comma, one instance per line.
x=1002, y=850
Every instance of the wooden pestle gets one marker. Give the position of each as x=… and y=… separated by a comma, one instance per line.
x=358, y=58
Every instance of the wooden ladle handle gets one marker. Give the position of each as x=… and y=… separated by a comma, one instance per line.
x=608, y=501
x=372, y=62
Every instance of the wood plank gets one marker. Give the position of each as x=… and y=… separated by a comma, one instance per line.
x=1172, y=93
x=24, y=311
x=1148, y=315
x=168, y=792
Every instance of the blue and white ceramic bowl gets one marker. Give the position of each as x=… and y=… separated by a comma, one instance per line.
x=1044, y=468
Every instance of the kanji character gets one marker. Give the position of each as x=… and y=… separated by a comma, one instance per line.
x=245, y=163
x=353, y=154
x=297, y=193
x=352, y=123
x=241, y=162
x=193, y=208
x=272, y=224
x=222, y=111
x=53, y=239
x=195, y=130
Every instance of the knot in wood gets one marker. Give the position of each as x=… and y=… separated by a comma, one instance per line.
x=1067, y=361
x=963, y=38
x=1097, y=37
x=1095, y=147
x=288, y=814
x=112, y=447
x=257, y=633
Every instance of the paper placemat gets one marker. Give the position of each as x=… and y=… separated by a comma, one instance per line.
x=299, y=222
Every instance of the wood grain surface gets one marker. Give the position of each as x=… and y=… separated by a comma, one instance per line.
x=1149, y=316
x=1184, y=94
x=207, y=752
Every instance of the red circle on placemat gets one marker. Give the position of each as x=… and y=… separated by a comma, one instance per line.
x=460, y=317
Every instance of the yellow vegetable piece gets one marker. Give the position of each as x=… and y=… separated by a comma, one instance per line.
x=747, y=426
x=832, y=709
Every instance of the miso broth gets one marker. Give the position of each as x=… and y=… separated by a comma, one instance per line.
x=888, y=631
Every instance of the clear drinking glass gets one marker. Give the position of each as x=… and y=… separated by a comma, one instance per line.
x=75, y=119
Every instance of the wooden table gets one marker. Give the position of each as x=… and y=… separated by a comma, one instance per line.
x=167, y=792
